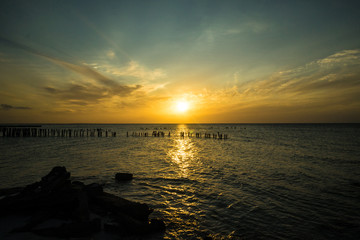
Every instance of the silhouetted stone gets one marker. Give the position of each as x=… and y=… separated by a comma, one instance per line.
x=10, y=191
x=157, y=225
x=77, y=183
x=94, y=189
x=73, y=229
x=127, y=225
x=31, y=188
x=35, y=219
x=123, y=176
x=82, y=213
x=118, y=205
x=207, y=238
x=57, y=177
x=55, y=197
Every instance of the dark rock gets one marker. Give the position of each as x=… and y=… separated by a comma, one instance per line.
x=55, y=173
x=55, y=197
x=78, y=183
x=94, y=189
x=127, y=225
x=31, y=189
x=157, y=225
x=118, y=205
x=10, y=191
x=53, y=192
x=34, y=221
x=207, y=238
x=123, y=176
x=82, y=212
x=73, y=229
x=56, y=179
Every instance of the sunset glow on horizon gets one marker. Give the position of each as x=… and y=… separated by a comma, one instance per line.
x=179, y=61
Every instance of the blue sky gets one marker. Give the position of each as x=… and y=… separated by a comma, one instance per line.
x=131, y=61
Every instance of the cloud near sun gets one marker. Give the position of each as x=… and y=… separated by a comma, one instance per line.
x=89, y=88
x=323, y=90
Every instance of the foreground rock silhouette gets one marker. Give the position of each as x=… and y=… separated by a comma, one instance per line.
x=82, y=210
x=123, y=176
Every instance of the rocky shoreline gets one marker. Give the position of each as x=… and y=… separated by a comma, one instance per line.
x=79, y=210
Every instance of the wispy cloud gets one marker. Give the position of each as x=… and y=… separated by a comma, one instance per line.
x=93, y=87
x=330, y=84
x=252, y=26
x=110, y=54
x=88, y=93
x=323, y=77
x=149, y=79
x=103, y=88
x=135, y=70
x=343, y=57
x=7, y=107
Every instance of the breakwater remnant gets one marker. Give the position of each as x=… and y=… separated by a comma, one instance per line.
x=55, y=132
x=98, y=132
x=79, y=210
x=217, y=135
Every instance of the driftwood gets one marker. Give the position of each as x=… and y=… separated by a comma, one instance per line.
x=56, y=197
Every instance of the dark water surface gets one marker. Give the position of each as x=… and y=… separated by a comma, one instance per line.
x=267, y=181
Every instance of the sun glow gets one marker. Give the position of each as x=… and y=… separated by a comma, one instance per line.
x=182, y=106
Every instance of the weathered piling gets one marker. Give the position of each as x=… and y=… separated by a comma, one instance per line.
x=97, y=132
x=52, y=132
x=217, y=135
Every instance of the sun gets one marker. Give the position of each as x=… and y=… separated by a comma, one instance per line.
x=182, y=106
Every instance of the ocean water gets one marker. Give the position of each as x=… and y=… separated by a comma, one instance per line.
x=266, y=181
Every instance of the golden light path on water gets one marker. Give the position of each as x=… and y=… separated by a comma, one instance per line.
x=182, y=154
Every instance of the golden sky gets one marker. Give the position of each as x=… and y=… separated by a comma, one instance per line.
x=179, y=61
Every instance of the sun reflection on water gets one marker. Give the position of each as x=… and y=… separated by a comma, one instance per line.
x=179, y=195
x=182, y=152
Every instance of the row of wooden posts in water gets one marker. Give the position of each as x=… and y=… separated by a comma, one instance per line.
x=59, y=132
x=217, y=135
x=96, y=132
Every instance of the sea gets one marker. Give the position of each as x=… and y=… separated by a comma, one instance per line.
x=261, y=181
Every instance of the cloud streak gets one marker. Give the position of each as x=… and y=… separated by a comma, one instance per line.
x=324, y=77
x=8, y=107
x=89, y=93
x=329, y=86
x=85, y=91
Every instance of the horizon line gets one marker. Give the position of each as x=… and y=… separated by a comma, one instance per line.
x=223, y=123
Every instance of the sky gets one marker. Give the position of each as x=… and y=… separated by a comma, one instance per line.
x=179, y=61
